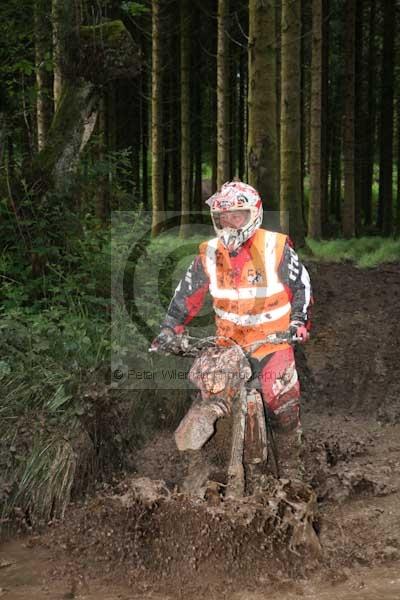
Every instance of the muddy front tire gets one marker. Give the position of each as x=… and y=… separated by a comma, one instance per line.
x=197, y=472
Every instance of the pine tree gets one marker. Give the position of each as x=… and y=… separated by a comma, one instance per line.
x=185, y=117
x=315, y=209
x=43, y=75
x=370, y=123
x=385, y=216
x=262, y=103
x=156, y=120
x=290, y=176
x=58, y=25
x=222, y=94
x=348, y=122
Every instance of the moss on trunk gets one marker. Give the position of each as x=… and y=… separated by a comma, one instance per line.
x=106, y=52
x=72, y=124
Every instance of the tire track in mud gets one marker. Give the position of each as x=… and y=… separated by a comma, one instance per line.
x=353, y=354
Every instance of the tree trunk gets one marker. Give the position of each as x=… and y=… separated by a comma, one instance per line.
x=43, y=75
x=222, y=94
x=70, y=131
x=232, y=125
x=305, y=93
x=57, y=22
x=185, y=119
x=278, y=84
x=315, y=209
x=174, y=145
x=198, y=163
x=166, y=126
x=144, y=117
x=370, y=124
x=290, y=196
x=324, y=117
x=3, y=136
x=111, y=129
x=214, y=144
x=102, y=191
x=242, y=118
x=156, y=121
x=262, y=104
x=397, y=224
x=348, y=122
x=358, y=117
x=175, y=142
x=197, y=126
x=336, y=176
x=386, y=139
x=210, y=45
x=136, y=141
x=169, y=21
x=302, y=108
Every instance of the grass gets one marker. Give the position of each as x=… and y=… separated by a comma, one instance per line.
x=365, y=252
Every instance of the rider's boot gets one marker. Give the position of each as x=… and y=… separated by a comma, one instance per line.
x=197, y=473
x=290, y=453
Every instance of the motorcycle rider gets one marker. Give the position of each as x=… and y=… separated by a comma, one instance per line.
x=258, y=286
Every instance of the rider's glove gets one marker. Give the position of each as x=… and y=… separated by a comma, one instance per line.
x=299, y=330
x=164, y=340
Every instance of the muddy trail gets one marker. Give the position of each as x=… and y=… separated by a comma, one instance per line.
x=118, y=545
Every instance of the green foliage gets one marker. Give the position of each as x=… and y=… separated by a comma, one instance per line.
x=16, y=55
x=365, y=252
x=134, y=8
x=112, y=171
x=206, y=171
x=55, y=340
x=54, y=335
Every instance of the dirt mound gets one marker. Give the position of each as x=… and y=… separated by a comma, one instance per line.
x=144, y=531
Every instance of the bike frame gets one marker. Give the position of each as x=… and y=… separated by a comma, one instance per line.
x=249, y=445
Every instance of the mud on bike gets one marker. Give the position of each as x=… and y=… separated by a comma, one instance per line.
x=222, y=371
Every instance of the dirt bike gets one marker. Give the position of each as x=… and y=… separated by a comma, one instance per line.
x=228, y=386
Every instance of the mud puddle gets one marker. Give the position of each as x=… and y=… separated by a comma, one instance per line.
x=28, y=573
x=379, y=583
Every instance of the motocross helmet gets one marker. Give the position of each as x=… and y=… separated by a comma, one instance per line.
x=235, y=196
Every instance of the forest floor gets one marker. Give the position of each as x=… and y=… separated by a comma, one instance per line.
x=115, y=545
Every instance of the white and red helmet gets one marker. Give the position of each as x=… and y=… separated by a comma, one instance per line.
x=236, y=196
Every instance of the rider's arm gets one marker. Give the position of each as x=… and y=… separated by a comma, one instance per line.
x=296, y=279
x=188, y=298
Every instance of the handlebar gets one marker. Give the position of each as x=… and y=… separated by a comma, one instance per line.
x=187, y=345
x=278, y=337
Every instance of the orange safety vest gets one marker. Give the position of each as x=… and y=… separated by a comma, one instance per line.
x=253, y=304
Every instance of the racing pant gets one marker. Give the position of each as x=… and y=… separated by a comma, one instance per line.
x=281, y=390
x=281, y=394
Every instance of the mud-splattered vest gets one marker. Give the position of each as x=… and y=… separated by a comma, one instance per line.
x=249, y=300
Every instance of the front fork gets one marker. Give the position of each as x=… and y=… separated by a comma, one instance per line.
x=249, y=439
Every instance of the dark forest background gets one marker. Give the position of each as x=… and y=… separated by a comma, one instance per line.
x=158, y=103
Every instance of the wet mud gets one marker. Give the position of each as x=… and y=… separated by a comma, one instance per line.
x=138, y=537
